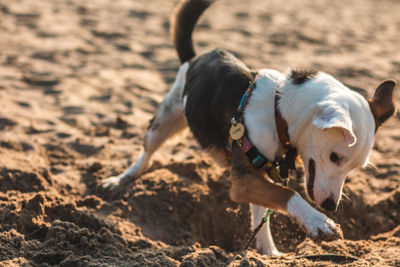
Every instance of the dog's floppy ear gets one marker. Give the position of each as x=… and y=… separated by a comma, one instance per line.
x=334, y=117
x=382, y=104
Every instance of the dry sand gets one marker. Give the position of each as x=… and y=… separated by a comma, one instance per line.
x=79, y=81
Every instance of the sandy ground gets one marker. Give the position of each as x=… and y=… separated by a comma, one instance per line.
x=79, y=81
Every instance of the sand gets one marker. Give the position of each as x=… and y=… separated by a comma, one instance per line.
x=79, y=81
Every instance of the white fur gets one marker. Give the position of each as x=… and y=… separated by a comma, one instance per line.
x=259, y=114
x=184, y=100
x=264, y=241
x=351, y=113
x=313, y=221
x=333, y=116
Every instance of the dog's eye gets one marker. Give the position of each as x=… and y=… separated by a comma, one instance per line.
x=335, y=158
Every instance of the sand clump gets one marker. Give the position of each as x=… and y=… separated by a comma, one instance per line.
x=79, y=82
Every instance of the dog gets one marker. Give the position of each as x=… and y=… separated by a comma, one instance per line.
x=330, y=126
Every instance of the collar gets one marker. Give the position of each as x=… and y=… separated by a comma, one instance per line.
x=289, y=160
x=277, y=170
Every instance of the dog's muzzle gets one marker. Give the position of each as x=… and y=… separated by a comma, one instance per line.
x=311, y=178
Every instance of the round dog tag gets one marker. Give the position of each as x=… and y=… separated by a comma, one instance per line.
x=237, y=131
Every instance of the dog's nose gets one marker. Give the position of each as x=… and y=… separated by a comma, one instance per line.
x=329, y=204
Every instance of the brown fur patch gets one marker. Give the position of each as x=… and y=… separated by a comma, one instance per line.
x=301, y=76
x=382, y=104
x=249, y=185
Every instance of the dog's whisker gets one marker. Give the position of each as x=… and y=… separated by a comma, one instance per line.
x=346, y=196
x=371, y=166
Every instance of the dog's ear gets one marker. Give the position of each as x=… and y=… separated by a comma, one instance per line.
x=382, y=104
x=334, y=117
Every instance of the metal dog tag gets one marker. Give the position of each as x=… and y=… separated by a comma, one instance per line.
x=237, y=131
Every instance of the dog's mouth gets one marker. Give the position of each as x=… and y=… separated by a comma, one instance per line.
x=311, y=178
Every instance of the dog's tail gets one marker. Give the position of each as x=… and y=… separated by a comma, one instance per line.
x=182, y=24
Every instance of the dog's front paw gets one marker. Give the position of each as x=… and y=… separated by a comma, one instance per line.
x=267, y=250
x=317, y=225
x=320, y=227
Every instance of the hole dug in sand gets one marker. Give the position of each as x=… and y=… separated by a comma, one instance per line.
x=187, y=203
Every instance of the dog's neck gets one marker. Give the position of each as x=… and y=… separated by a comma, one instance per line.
x=259, y=115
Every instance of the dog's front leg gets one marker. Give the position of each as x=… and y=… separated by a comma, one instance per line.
x=265, y=242
x=317, y=224
x=249, y=185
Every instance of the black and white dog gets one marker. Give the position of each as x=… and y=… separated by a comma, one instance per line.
x=331, y=126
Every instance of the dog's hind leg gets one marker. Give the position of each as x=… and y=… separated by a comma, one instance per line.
x=168, y=121
x=264, y=241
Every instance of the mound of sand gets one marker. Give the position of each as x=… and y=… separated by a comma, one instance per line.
x=79, y=82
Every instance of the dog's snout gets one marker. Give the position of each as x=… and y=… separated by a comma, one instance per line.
x=329, y=204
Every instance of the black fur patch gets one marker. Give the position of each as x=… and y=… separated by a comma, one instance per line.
x=301, y=76
x=215, y=83
x=182, y=23
x=152, y=126
x=310, y=183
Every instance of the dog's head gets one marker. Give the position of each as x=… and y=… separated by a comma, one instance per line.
x=339, y=138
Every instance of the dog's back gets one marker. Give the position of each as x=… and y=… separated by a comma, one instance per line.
x=210, y=99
